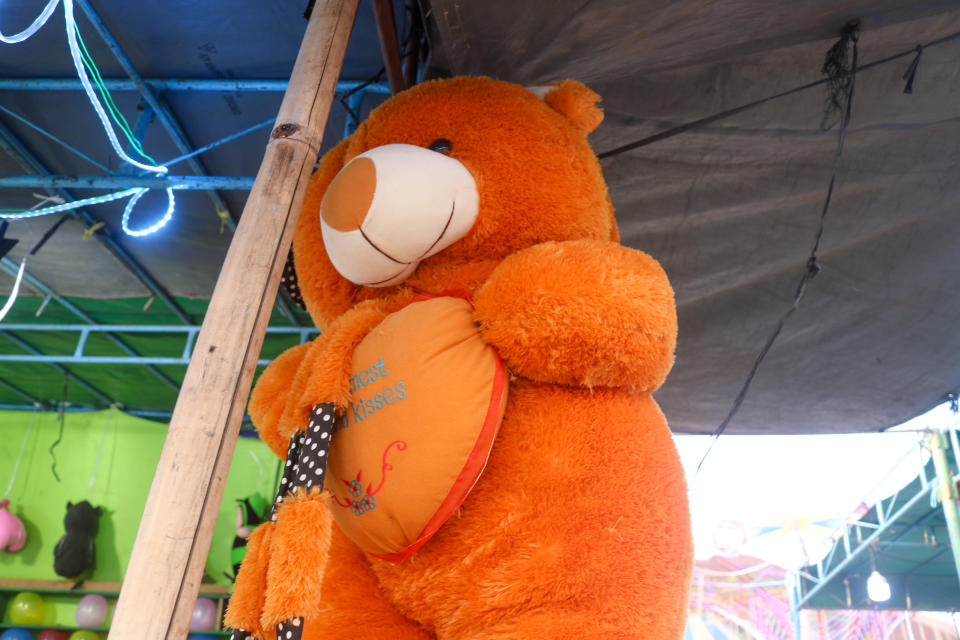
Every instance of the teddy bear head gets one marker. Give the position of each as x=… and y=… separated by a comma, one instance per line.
x=441, y=183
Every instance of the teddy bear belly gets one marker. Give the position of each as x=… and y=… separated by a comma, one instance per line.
x=582, y=506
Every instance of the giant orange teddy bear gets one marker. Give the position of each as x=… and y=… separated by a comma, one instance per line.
x=491, y=463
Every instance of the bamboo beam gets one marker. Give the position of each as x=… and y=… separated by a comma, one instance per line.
x=170, y=551
x=387, y=32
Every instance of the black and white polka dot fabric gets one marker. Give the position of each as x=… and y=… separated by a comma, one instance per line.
x=290, y=282
x=290, y=630
x=304, y=468
x=307, y=455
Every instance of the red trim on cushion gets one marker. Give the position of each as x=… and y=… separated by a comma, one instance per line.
x=469, y=475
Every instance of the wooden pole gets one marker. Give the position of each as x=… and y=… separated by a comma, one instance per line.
x=387, y=31
x=170, y=551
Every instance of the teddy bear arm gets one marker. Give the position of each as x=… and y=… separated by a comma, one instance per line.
x=581, y=313
x=269, y=397
x=324, y=374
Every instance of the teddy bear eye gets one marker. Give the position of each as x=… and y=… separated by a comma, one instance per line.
x=441, y=145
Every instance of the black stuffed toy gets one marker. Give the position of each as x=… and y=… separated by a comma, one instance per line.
x=74, y=552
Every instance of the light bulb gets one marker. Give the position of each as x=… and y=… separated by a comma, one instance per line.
x=877, y=587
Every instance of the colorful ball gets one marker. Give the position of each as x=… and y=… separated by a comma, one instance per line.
x=27, y=608
x=204, y=614
x=16, y=633
x=84, y=634
x=91, y=610
x=53, y=634
x=202, y=636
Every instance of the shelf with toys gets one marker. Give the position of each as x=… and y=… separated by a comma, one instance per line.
x=53, y=610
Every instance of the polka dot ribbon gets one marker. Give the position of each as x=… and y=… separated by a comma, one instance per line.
x=290, y=282
x=307, y=455
x=304, y=468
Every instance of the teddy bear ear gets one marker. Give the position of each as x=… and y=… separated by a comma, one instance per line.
x=574, y=101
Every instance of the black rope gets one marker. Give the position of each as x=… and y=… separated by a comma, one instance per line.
x=62, y=417
x=363, y=85
x=669, y=133
x=46, y=236
x=911, y=73
x=834, y=65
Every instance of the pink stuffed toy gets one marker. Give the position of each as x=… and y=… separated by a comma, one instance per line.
x=12, y=534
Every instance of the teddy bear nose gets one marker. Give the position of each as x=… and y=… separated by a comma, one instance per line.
x=348, y=198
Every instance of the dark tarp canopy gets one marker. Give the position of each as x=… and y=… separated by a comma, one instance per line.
x=729, y=209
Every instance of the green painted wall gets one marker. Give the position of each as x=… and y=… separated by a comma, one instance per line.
x=107, y=458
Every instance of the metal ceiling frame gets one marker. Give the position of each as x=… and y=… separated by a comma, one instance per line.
x=30, y=163
x=109, y=330
x=849, y=555
x=35, y=283
x=42, y=177
x=225, y=85
x=125, y=182
x=160, y=108
x=154, y=107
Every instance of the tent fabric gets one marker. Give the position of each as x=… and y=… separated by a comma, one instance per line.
x=731, y=209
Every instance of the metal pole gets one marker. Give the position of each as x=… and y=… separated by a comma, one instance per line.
x=165, y=114
x=20, y=392
x=23, y=156
x=11, y=267
x=177, y=84
x=947, y=490
x=793, y=585
x=62, y=143
x=26, y=346
x=355, y=104
x=860, y=549
x=139, y=133
x=240, y=183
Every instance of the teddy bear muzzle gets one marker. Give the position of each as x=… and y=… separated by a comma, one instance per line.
x=393, y=206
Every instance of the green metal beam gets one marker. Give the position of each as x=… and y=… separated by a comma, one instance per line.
x=41, y=287
x=947, y=490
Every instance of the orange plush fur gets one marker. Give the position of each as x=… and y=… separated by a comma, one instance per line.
x=579, y=526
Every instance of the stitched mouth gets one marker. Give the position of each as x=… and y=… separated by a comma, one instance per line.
x=446, y=226
x=373, y=284
x=374, y=245
x=453, y=207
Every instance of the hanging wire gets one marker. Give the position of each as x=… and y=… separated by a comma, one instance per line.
x=62, y=418
x=363, y=85
x=23, y=446
x=696, y=124
x=103, y=438
x=256, y=459
x=851, y=35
